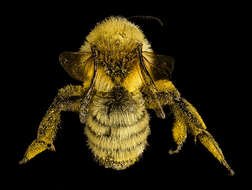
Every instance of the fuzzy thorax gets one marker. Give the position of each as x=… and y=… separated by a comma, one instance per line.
x=115, y=34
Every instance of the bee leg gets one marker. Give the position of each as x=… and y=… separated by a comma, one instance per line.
x=68, y=99
x=208, y=141
x=186, y=117
x=212, y=146
x=183, y=109
x=179, y=132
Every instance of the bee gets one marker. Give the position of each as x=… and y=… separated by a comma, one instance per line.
x=122, y=78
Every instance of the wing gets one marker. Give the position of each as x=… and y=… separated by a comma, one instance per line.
x=161, y=66
x=74, y=63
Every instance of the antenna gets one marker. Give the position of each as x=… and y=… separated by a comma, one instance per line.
x=148, y=18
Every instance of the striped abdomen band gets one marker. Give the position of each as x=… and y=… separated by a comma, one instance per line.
x=119, y=139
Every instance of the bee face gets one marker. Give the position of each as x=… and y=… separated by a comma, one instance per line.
x=116, y=42
x=114, y=47
x=117, y=64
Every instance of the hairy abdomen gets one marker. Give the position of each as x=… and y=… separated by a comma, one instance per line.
x=117, y=130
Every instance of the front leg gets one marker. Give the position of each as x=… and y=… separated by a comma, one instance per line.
x=186, y=119
x=68, y=99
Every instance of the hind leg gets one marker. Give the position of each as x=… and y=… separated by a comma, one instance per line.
x=186, y=117
x=68, y=99
x=179, y=132
x=187, y=113
x=212, y=146
x=198, y=128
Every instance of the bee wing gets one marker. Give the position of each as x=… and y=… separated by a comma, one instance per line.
x=161, y=66
x=74, y=63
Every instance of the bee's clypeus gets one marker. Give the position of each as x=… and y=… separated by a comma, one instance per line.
x=122, y=78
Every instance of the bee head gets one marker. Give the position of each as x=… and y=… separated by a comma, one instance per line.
x=116, y=41
x=115, y=35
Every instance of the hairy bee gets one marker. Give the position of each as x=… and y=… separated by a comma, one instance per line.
x=122, y=78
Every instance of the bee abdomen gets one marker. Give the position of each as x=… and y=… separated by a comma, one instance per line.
x=119, y=145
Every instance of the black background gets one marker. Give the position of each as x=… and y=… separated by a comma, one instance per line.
x=203, y=39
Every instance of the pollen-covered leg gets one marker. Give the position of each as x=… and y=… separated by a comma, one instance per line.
x=196, y=126
x=68, y=99
x=45, y=136
x=179, y=132
x=208, y=141
x=186, y=117
x=35, y=148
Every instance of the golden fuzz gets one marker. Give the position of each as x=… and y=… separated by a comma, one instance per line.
x=122, y=78
x=115, y=34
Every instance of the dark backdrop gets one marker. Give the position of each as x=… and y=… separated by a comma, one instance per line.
x=202, y=39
